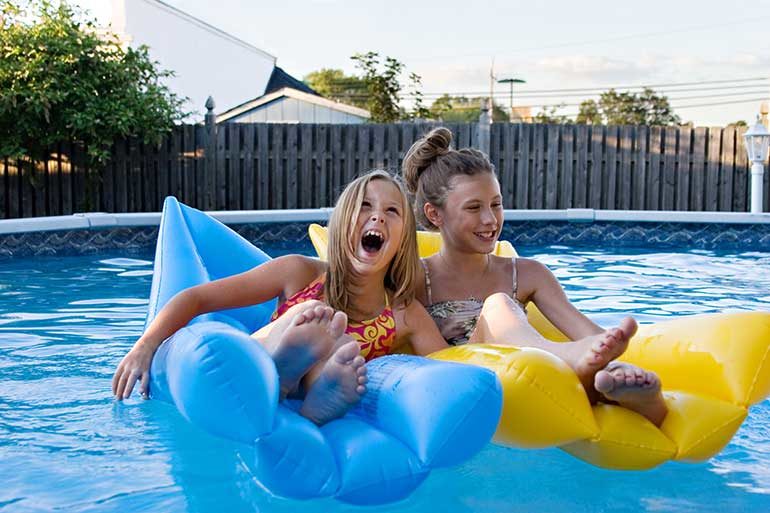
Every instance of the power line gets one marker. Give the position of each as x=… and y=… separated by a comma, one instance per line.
x=679, y=107
x=532, y=93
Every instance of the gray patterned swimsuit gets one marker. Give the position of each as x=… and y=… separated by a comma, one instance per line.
x=456, y=319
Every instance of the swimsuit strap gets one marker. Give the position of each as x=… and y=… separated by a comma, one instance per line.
x=427, y=281
x=514, y=277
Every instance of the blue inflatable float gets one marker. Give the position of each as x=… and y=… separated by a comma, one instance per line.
x=416, y=415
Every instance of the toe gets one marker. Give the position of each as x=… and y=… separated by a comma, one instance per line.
x=604, y=382
x=347, y=352
x=338, y=324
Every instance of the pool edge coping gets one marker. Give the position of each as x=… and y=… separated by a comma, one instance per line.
x=100, y=220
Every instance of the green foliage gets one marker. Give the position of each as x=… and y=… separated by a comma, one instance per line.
x=382, y=85
x=549, y=116
x=335, y=85
x=738, y=124
x=460, y=109
x=61, y=81
x=613, y=108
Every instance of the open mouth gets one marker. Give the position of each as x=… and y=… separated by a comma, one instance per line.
x=372, y=241
x=486, y=235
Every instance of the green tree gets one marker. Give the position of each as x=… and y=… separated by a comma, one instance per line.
x=589, y=113
x=460, y=109
x=382, y=85
x=548, y=115
x=61, y=81
x=336, y=85
x=614, y=108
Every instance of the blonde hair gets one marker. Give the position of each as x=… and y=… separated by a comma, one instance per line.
x=400, y=278
x=431, y=163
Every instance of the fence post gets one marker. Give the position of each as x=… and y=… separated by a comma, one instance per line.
x=210, y=152
x=483, y=135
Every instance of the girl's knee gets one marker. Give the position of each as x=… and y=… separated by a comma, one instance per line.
x=497, y=301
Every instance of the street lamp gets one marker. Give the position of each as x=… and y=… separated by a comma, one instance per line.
x=511, y=81
x=757, y=139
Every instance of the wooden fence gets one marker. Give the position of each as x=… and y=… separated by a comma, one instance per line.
x=269, y=166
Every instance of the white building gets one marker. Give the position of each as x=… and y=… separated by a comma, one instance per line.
x=210, y=62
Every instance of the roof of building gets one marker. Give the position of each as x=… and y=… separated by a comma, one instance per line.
x=288, y=92
x=280, y=79
x=207, y=26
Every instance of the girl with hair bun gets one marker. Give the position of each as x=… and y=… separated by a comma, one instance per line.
x=475, y=296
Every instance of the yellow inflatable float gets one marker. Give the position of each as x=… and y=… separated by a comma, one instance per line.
x=713, y=367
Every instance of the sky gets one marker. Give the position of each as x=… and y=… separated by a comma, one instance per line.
x=719, y=50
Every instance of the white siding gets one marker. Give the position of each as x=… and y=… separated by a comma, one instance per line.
x=205, y=60
x=292, y=110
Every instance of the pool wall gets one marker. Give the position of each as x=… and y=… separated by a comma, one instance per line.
x=136, y=233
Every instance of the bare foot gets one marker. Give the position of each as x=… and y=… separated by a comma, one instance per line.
x=633, y=388
x=310, y=337
x=340, y=385
x=589, y=355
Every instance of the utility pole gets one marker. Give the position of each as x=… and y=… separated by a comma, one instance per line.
x=492, y=79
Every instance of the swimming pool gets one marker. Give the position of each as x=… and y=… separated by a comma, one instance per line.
x=65, y=322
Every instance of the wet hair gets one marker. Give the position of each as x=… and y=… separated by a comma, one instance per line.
x=400, y=278
x=429, y=166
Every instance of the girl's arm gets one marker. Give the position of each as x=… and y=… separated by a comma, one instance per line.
x=538, y=284
x=416, y=326
x=271, y=279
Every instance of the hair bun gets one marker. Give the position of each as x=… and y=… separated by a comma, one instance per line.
x=423, y=153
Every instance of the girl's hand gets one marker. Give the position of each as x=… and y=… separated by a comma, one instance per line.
x=134, y=367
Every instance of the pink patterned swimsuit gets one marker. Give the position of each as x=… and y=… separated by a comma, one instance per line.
x=375, y=336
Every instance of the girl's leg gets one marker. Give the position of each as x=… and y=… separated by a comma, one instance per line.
x=300, y=338
x=308, y=344
x=633, y=388
x=503, y=322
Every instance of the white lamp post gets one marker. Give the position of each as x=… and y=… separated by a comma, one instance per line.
x=757, y=140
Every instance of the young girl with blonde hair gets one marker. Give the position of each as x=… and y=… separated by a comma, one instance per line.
x=474, y=296
x=331, y=318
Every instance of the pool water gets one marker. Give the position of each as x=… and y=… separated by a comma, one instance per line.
x=65, y=445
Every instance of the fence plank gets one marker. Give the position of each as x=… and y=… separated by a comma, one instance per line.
x=639, y=171
x=537, y=194
x=505, y=169
x=248, y=177
x=552, y=167
x=210, y=161
x=4, y=203
x=174, y=161
x=727, y=170
x=277, y=175
x=149, y=179
x=654, y=199
x=233, y=158
x=684, y=171
x=337, y=171
x=610, y=177
x=668, y=182
x=221, y=169
x=199, y=148
x=307, y=182
x=567, y=172
x=596, y=169
x=741, y=187
x=263, y=167
x=322, y=161
x=188, y=164
x=712, y=169
x=522, y=167
x=628, y=135
x=580, y=185
x=292, y=167
x=697, y=180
